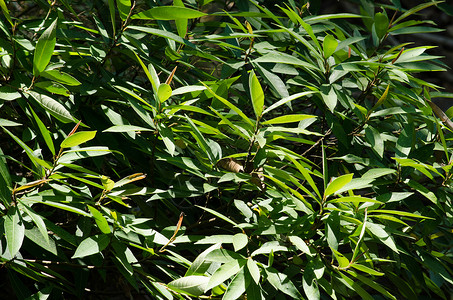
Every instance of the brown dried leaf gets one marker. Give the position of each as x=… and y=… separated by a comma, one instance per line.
x=231, y=165
x=440, y=113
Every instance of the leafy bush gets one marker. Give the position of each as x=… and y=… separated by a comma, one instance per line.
x=210, y=149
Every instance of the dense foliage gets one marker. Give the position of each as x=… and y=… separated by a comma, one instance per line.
x=221, y=149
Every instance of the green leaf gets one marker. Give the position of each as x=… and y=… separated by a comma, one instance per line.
x=240, y=240
x=61, y=77
x=193, y=285
x=423, y=190
x=100, y=220
x=126, y=128
x=225, y=272
x=337, y=184
x=253, y=269
x=163, y=92
x=167, y=136
x=288, y=119
x=237, y=286
x=8, y=123
x=415, y=9
x=217, y=214
x=282, y=283
x=14, y=230
x=44, y=132
x=37, y=220
x=112, y=14
x=78, y=138
x=92, y=245
x=329, y=45
x=54, y=107
x=399, y=213
x=381, y=24
x=300, y=244
x=44, y=49
x=380, y=232
x=354, y=199
x=39, y=163
x=169, y=13
x=366, y=269
x=124, y=8
x=65, y=203
x=181, y=24
x=329, y=96
x=342, y=260
x=199, y=265
x=5, y=11
x=53, y=87
x=202, y=142
x=310, y=284
x=373, y=136
x=257, y=94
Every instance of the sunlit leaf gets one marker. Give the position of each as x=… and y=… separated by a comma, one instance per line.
x=44, y=48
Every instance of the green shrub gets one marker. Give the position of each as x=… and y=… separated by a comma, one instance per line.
x=221, y=149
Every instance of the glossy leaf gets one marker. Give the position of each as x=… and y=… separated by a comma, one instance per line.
x=14, y=230
x=225, y=272
x=92, y=245
x=44, y=48
x=337, y=184
x=61, y=77
x=78, y=138
x=169, y=13
x=257, y=94
x=44, y=132
x=100, y=220
x=54, y=107
x=240, y=240
x=124, y=8
x=164, y=92
x=288, y=119
x=329, y=45
x=193, y=285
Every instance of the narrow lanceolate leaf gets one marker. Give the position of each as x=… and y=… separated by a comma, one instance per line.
x=288, y=119
x=14, y=230
x=77, y=139
x=337, y=184
x=92, y=245
x=61, y=77
x=100, y=220
x=253, y=269
x=169, y=13
x=5, y=11
x=53, y=107
x=181, y=24
x=44, y=132
x=257, y=94
x=112, y=14
x=193, y=285
x=39, y=222
x=44, y=49
x=217, y=214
